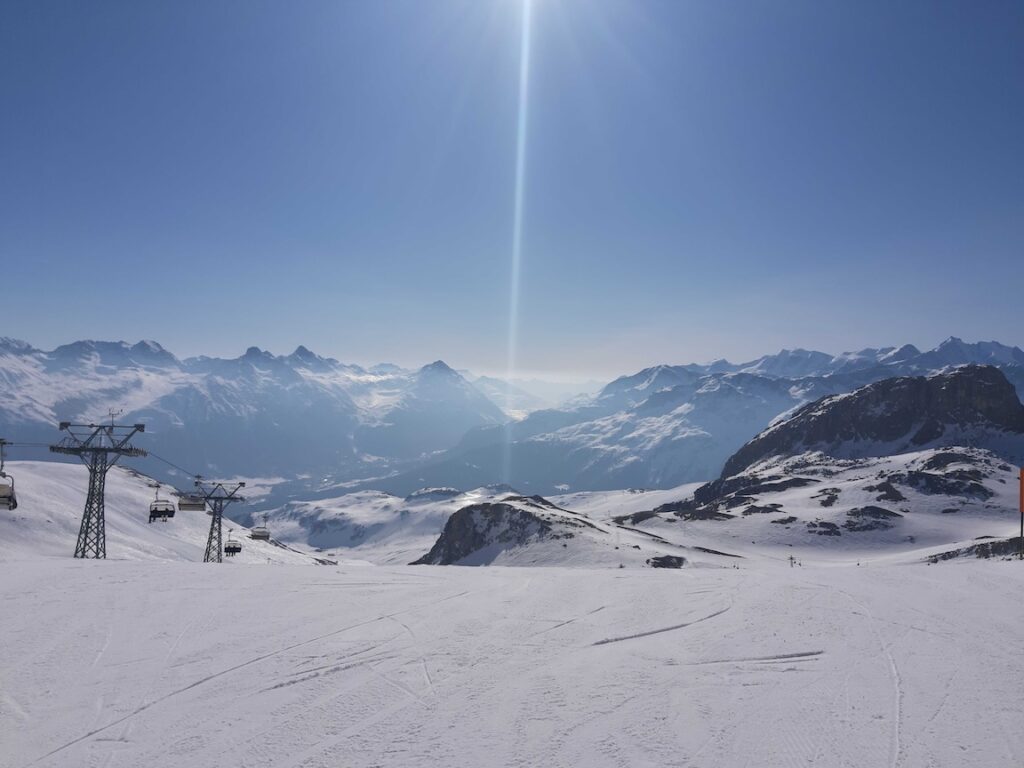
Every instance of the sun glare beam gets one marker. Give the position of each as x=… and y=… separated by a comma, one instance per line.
x=517, y=222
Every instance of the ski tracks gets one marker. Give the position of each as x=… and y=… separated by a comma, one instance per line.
x=673, y=628
x=896, y=743
x=208, y=678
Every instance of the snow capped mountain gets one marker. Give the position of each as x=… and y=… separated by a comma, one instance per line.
x=791, y=364
x=255, y=414
x=972, y=405
x=669, y=425
x=302, y=415
x=909, y=464
x=432, y=410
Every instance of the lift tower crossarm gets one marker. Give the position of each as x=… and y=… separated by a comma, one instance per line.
x=218, y=496
x=99, y=446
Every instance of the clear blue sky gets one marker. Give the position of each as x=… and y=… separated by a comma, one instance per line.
x=704, y=179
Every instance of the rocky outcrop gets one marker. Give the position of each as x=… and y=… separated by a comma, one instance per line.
x=904, y=414
x=946, y=480
x=479, y=526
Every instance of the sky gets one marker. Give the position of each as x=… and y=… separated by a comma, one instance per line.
x=702, y=179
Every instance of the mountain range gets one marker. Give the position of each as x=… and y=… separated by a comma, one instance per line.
x=312, y=422
x=669, y=425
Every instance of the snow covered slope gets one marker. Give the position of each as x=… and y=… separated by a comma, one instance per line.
x=374, y=526
x=522, y=530
x=903, y=507
x=510, y=530
x=179, y=665
x=51, y=497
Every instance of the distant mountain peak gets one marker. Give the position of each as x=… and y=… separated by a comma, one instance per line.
x=15, y=345
x=255, y=353
x=439, y=367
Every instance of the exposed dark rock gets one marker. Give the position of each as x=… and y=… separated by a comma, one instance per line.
x=716, y=552
x=870, y=518
x=667, y=561
x=952, y=484
x=988, y=549
x=747, y=486
x=942, y=460
x=908, y=413
x=688, y=510
x=767, y=509
x=478, y=526
x=636, y=518
x=703, y=514
x=887, y=492
x=828, y=496
x=824, y=529
x=785, y=521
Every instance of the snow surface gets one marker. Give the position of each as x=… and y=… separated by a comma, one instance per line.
x=152, y=658
x=177, y=665
x=51, y=497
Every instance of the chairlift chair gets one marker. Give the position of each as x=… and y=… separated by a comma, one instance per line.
x=161, y=509
x=8, y=498
x=192, y=503
x=231, y=546
x=260, y=532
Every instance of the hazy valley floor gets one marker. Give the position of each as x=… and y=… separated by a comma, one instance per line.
x=120, y=664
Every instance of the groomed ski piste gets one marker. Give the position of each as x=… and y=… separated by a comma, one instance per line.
x=153, y=658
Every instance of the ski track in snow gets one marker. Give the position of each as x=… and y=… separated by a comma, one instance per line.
x=648, y=633
x=293, y=667
x=216, y=675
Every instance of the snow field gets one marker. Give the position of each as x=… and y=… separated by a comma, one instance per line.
x=175, y=664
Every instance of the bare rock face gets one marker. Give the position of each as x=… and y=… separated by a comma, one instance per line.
x=907, y=413
x=478, y=526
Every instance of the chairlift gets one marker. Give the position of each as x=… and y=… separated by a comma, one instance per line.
x=192, y=503
x=8, y=498
x=260, y=532
x=231, y=546
x=160, y=509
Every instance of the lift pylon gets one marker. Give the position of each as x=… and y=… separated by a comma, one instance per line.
x=99, y=446
x=217, y=496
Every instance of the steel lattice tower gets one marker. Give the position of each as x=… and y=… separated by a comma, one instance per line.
x=218, y=497
x=99, y=449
